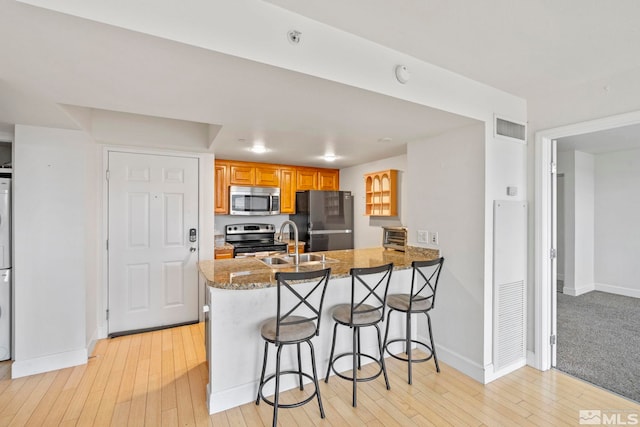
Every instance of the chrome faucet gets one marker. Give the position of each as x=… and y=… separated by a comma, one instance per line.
x=296, y=258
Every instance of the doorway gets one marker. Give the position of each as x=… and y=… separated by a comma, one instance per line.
x=545, y=298
x=152, y=241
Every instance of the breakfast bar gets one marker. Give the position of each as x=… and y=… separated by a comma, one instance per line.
x=240, y=294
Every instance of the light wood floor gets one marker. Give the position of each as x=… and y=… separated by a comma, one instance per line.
x=159, y=379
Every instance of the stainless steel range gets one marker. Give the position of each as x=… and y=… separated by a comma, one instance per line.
x=252, y=238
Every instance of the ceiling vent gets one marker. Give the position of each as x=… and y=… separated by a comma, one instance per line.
x=510, y=130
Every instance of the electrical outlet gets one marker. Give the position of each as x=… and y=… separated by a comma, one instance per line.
x=433, y=238
x=423, y=236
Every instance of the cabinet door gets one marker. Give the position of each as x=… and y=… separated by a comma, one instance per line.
x=221, y=185
x=268, y=176
x=287, y=190
x=306, y=179
x=223, y=253
x=242, y=174
x=328, y=180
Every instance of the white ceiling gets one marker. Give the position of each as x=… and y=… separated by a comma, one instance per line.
x=618, y=139
x=522, y=47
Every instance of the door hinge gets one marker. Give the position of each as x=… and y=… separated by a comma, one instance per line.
x=108, y=174
x=107, y=314
x=107, y=244
x=553, y=253
x=552, y=340
x=554, y=167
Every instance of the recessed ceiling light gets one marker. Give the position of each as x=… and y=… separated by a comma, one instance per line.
x=258, y=149
x=329, y=157
x=385, y=139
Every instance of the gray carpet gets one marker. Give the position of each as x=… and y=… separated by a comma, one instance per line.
x=599, y=340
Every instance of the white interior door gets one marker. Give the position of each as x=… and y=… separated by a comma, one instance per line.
x=153, y=205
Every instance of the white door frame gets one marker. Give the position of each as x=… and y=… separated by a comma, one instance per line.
x=206, y=231
x=543, y=218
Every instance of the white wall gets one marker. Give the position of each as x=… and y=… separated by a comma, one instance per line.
x=578, y=169
x=617, y=234
x=367, y=229
x=54, y=256
x=449, y=197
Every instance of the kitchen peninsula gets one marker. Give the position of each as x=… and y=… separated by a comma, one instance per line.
x=241, y=293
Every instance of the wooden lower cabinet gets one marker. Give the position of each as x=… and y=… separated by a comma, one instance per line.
x=292, y=247
x=223, y=253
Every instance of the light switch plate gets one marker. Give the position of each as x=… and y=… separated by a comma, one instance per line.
x=423, y=236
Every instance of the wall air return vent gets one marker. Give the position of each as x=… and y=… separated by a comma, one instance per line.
x=510, y=130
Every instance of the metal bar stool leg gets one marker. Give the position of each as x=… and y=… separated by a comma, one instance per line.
x=359, y=352
x=354, y=372
x=384, y=367
x=433, y=346
x=409, y=344
x=315, y=378
x=277, y=392
x=264, y=368
x=299, y=367
x=386, y=332
x=333, y=347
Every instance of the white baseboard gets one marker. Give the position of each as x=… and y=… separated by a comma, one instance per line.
x=231, y=398
x=458, y=362
x=618, y=290
x=532, y=360
x=91, y=345
x=492, y=375
x=38, y=365
x=574, y=292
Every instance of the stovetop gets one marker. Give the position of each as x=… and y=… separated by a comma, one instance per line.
x=253, y=237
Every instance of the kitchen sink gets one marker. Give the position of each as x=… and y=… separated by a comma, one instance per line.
x=288, y=260
x=272, y=260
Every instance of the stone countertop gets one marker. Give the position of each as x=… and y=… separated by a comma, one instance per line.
x=250, y=273
x=223, y=245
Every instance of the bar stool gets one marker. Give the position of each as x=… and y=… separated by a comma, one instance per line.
x=297, y=320
x=361, y=312
x=421, y=299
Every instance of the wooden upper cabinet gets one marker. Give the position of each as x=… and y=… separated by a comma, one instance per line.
x=289, y=178
x=306, y=179
x=328, y=179
x=287, y=190
x=267, y=176
x=242, y=174
x=221, y=187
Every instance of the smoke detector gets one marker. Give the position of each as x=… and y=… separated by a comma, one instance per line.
x=402, y=73
x=294, y=36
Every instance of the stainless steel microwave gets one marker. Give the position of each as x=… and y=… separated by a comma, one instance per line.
x=254, y=200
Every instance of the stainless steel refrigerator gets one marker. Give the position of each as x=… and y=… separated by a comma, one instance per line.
x=324, y=219
x=5, y=268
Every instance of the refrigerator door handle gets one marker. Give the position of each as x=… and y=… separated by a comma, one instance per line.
x=318, y=232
